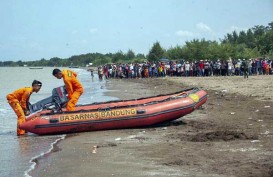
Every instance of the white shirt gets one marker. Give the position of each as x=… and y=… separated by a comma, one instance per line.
x=187, y=66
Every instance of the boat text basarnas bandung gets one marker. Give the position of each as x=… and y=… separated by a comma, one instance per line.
x=98, y=115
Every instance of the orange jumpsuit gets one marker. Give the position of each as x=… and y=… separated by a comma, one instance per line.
x=18, y=101
x=74, y=88
x=146, y=72
x=267, y=69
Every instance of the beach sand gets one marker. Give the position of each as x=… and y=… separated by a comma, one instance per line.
x=231, y=135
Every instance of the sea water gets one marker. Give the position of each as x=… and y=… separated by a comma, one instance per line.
x=18, y=154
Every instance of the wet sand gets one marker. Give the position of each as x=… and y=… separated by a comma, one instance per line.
x=231, y=135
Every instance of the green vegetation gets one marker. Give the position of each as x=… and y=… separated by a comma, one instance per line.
x=253, y=43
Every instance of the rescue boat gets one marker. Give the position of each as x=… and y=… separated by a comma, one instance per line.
x=118, y=114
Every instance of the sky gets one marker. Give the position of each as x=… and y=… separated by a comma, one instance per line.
x=31, y=29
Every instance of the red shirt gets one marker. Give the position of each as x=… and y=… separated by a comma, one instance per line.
x=201, y=65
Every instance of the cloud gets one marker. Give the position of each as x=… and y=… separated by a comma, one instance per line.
x=182, y=33
x=74, y=32
x=84, y=41
x=203, y=27
x=236, y=28
x=33, y=44
x=93, y=30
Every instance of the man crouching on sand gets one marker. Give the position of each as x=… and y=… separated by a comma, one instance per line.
x=18, y=101
x=73, y=86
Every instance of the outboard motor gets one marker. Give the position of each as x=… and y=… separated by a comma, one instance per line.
x=54, y=102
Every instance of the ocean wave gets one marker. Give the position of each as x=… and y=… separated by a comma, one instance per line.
x=33, y=160
x=4, y=110
x=6, y=132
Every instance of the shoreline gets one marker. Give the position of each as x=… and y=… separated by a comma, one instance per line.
x=192, y=146
x=34, y=161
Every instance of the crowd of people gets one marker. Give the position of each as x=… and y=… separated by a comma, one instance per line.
x=200, y=68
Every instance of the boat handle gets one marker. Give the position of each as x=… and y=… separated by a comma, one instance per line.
x=141, y=111
x=104, y=109
x=53, y=121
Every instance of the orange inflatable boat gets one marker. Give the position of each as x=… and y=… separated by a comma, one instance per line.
x=117, y=114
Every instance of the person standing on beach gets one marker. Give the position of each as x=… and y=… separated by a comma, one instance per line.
x=18, y=100
x=73, y=86
x=92, y=73
x=245, y=68
x=100, y=73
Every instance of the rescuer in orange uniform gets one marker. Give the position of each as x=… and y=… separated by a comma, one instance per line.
x=18, y=101
x=73, y=86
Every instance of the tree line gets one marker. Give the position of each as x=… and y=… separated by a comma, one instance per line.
x=252, y=43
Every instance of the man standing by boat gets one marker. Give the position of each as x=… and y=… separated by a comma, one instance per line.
x=18, y=101
x=73, y=86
